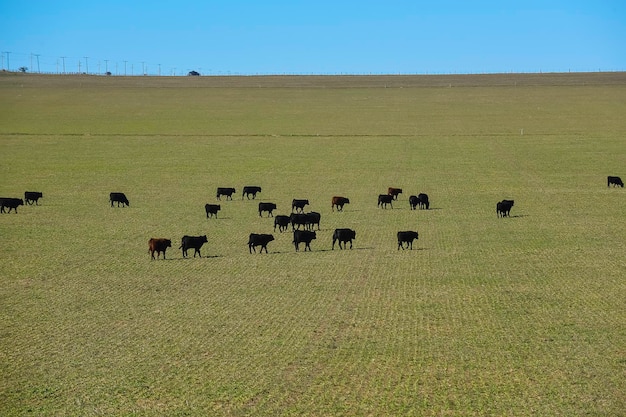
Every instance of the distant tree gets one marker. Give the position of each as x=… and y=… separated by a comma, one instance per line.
x=194, y=73
x=108, y=73
x=22, y=69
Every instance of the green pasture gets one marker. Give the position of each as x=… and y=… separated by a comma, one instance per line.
x=485, y=316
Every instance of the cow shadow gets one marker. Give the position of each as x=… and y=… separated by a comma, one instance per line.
x=191, y=257
x=340, y=250
x=348, y=249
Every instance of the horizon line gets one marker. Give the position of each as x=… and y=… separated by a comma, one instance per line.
x=302, y=74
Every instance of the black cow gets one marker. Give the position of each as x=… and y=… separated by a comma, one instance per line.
x=118, y=198
x=384, y=199
x=343, y=235
x=228, y=192
x=269, y=207
x=250, y=189
x=298, y=205
x=298, y=219
x=11, y=203
x=158, y=245
x=339, y=202
x=192, y=242
x=394, y=192
x=312, y=219
x=406, y=237
x=616, y=181
x=423, y=201
x=282, y=222
x=31, y=197
x=212, y=209
x=503, y=208
x=413, y=201
x=303, y=236
x=259, y=240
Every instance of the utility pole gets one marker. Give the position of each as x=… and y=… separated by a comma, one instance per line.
x=38, y=70
x=159, y=70
x=79, y=66
x=143, y=68
x=8, y=62
x=86, y=65
x=125, y=67
x=63, y=58
x=106, y=66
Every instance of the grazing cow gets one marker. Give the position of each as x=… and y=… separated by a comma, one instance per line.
x=192, y=242
x=406, y=237
x=423, y=201
x=269, y=207
x=384, y=199
x=503, y=208
x=282, y=222
x=298, y=205
x=339, y=202
x=250, y=189
x=303, y=236
x=616, y=181
x=228, y=192
x=345, y=236
x=118, y=198
x=158, y=245
x=312, y=219
x=31, y=197
x=413, y=201
x=394, y=192
x=298, y=219
x=11, y=203
x=259, y=240
x=212, y=209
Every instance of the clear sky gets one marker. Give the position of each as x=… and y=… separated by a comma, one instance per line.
x=313, y=37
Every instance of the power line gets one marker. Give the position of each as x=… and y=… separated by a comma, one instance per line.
x=8, y=62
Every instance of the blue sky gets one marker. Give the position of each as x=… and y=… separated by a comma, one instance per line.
x=313, y=37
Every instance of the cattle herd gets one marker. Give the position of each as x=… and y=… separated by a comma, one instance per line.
x=13, y=203
x=302, y=224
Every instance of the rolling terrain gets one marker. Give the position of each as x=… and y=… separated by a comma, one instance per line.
x=485, y=316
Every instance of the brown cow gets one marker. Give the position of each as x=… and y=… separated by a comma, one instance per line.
x=394, y=192
x=339, y=202
x=158, y=245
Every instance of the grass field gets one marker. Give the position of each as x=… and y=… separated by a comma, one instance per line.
x=485, y=316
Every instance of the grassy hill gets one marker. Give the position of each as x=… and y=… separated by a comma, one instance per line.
x=485, y=316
